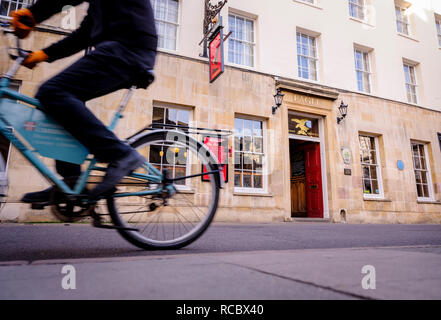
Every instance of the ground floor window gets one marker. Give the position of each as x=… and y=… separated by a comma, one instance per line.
x=248, y=154
x=170, y=157
x=421, y=169
x=370, y=165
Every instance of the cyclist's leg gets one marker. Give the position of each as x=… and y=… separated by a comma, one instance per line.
x=64, y=97
x=108, y=68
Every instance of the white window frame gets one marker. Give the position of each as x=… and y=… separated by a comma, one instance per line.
x=188, y=165
x=412, y=72
x=248, y=43
x=15, y=3
x=361, y=6
x=438, y=30
x=403, y=19
x=310, y=58
x=166, y=22
x=264, y=189
x=380, y=195
x=429, y=173
x=366, y=58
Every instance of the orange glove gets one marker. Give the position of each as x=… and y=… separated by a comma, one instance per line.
x=23, y=22
x=34, y=58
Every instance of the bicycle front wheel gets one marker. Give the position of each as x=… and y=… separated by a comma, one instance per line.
x=175, y=220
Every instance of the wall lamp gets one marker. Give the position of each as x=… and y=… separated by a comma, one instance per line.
x=278, y=99
x=343, y=109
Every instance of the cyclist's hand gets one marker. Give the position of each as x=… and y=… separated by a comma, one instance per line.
x=23, y=22
x=34, y=58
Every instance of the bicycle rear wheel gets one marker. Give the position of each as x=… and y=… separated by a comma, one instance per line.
x=177, y=220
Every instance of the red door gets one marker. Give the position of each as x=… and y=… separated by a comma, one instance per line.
x=314, y=195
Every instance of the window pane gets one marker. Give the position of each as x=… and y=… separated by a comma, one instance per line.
x=155, y=154
x=238, y=179
x=258, y=181
x=247, y=182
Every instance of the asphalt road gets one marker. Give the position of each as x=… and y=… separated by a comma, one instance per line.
x=264, y=261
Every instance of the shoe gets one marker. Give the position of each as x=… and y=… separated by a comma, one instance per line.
x=45, y=195
x=116, y=171
x=40, y=196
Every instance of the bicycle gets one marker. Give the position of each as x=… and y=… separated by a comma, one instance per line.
x=151, y=208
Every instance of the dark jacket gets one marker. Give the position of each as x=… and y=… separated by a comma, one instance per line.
x=130, y=22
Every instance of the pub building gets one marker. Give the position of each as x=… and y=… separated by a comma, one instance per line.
x=296, y=142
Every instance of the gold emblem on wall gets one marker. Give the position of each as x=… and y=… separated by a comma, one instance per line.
x=303, y=126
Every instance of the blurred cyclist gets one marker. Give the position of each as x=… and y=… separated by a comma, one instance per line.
x=124, y=38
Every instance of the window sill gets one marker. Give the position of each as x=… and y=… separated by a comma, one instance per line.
x=429, y=202
x=361, y=21
x=313, y=5
x=240, y=66
x=407, y=37
x=252, y=194
x=376, y=199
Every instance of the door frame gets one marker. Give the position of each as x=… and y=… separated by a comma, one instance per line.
x=321, y=140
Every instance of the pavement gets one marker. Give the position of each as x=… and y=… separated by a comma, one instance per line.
x=290, y=261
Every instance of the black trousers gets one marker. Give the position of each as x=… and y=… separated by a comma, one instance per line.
x=108, y=68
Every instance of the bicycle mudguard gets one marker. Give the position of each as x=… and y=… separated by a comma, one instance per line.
x=48, y=138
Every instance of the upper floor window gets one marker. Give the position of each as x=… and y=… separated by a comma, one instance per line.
x=357, y=9
x=307, y=58
x=411, y=83
x=438, y=29
x=363, y=70
x=166, y=18
x=7, y=6
x=241, y=45
x=402, y=20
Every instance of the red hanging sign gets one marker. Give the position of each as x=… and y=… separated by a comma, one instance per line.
x=216, y=55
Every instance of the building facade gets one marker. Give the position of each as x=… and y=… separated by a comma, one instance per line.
x=381, y=163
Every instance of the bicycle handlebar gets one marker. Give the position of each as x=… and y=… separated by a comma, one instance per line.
x=22, y=53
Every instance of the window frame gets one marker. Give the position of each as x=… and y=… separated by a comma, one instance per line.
x=404, y=19
x=428, y=170
x=378, y=167
x=186, y=186
x=362, y=6
x=244, y=190
x=175, y=24
x=438, y=30
x=366, y=58
x=248, y=43
x=412, y=72
x=309, y=58
x=25, y=4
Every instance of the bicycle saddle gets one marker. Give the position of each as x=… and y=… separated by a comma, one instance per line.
x=143, y=79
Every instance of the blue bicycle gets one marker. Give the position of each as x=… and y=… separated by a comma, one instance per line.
x=155, y=207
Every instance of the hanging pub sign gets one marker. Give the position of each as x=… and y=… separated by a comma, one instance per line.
x=216, y=52
x=219, y=147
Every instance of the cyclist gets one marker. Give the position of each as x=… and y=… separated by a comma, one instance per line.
x=124, y=38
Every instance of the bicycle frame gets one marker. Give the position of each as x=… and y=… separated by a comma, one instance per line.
x=24, y=147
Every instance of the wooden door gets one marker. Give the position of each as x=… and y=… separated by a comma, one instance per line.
x=313, y=172
x=298, y=197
